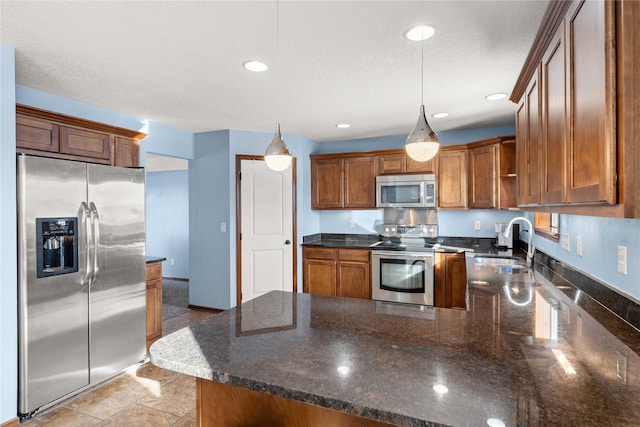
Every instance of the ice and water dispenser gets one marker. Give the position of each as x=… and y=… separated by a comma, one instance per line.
x=56, y=246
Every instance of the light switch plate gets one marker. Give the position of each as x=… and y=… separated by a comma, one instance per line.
x=622, y=259
x=565, y=242
x=579, y=245
x=223, y=227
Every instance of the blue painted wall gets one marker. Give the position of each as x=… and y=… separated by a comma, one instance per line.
x=450, y=137
x=8, y=239
x=167, y=214
x=209, y=253
x=600, y=239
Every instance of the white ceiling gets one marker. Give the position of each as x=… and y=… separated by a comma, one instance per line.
x=180, y=62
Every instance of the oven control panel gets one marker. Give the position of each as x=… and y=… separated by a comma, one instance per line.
x=422, y=230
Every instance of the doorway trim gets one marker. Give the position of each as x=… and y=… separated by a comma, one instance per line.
x=294, y=210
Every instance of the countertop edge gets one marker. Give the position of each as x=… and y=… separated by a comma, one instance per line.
x=155, y=356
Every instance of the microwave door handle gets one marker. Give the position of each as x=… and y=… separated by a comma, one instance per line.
x=86, y=216
x=96, y=240
x=423, y=202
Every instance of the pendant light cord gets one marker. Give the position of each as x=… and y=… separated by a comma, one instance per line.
x=422, y=56
x=277, y=61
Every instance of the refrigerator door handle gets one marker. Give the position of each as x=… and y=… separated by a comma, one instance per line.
x=86, y=214
x=96, y=240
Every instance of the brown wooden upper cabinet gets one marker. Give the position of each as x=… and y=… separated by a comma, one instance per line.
x=491, y=174
x=342, y=182
x=452, y=179
x=59, y=136
x=399, y=163
x=577, y=133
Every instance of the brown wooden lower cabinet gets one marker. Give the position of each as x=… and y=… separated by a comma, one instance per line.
x=226, y=405
x=450, y=280
x=154, y=302
x=337, y=272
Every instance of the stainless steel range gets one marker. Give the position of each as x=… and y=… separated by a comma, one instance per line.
x=403, y=261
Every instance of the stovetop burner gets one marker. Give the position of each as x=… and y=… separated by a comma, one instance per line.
x=416, y=245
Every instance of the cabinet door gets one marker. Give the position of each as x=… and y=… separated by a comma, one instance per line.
x=359, y=183
x=591, y=148
x=154, y=302
x=391, y=164
x=528, y=148
x=37, y=134
x=430, y=166
x=450, y=280
x=319, y=271
x=483, y=177
x=456, y=271
x=554, y=122
x=85, y=143
x=327, y=184
x=126, y=152
x=452, y=179
x=354, y=273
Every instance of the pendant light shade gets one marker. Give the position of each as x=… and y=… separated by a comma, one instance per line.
x=422, y=143
x=277, y=155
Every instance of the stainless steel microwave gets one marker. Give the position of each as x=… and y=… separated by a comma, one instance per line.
x=406, y=191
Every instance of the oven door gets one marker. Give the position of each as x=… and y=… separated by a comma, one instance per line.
x=405, y=277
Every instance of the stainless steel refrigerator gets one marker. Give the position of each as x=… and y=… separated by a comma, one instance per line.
x=81, y=276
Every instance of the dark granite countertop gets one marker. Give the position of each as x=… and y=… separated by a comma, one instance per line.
x=510, y=357
x=151, y=259
x=343, y=241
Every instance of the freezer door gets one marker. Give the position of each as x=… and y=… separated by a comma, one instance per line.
x=118, y=289
x=53, y=311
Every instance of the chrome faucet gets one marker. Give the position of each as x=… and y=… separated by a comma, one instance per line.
x=531, y=249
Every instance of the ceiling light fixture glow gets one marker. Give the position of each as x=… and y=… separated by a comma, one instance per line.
x=255, y=66
x=343, y=125
x=419, y=33
x=439, y=115
x=495, y=96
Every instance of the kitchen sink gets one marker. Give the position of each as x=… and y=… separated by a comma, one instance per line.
x=493, y=261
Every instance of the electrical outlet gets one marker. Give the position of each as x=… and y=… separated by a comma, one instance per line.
x=565, y=242
x=579, y=245
x=476, y=225
x=223, y=227
x=173, y=261
x=352, y=223
x=622, y=259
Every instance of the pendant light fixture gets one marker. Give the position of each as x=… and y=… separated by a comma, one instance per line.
x=277, y=155
x=422, y=143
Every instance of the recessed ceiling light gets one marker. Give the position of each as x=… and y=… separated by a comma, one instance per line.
x=420, y=32
x=255, y=66
x=495, y=96
x=343, y=125
x=439, y=115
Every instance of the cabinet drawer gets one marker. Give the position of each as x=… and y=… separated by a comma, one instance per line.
x=37, y=134
x=154, y=271
x=359, y=255
x=319, y=253
x=85, y=143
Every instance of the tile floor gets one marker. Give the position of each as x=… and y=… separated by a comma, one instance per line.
x=143, y=396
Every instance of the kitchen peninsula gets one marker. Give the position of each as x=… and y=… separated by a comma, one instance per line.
x=524, y=352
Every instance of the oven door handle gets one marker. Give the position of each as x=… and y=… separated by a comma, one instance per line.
x=402, y=255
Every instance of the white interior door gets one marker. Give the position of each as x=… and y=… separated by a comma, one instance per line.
x=267, y=229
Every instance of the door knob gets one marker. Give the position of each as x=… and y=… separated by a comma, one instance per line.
x=287, y=242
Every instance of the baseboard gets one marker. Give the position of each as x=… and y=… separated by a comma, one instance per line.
x=11, y=423
x=179, y=279
x=209, y=309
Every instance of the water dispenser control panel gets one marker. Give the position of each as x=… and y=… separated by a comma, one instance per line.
x=56, y=246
